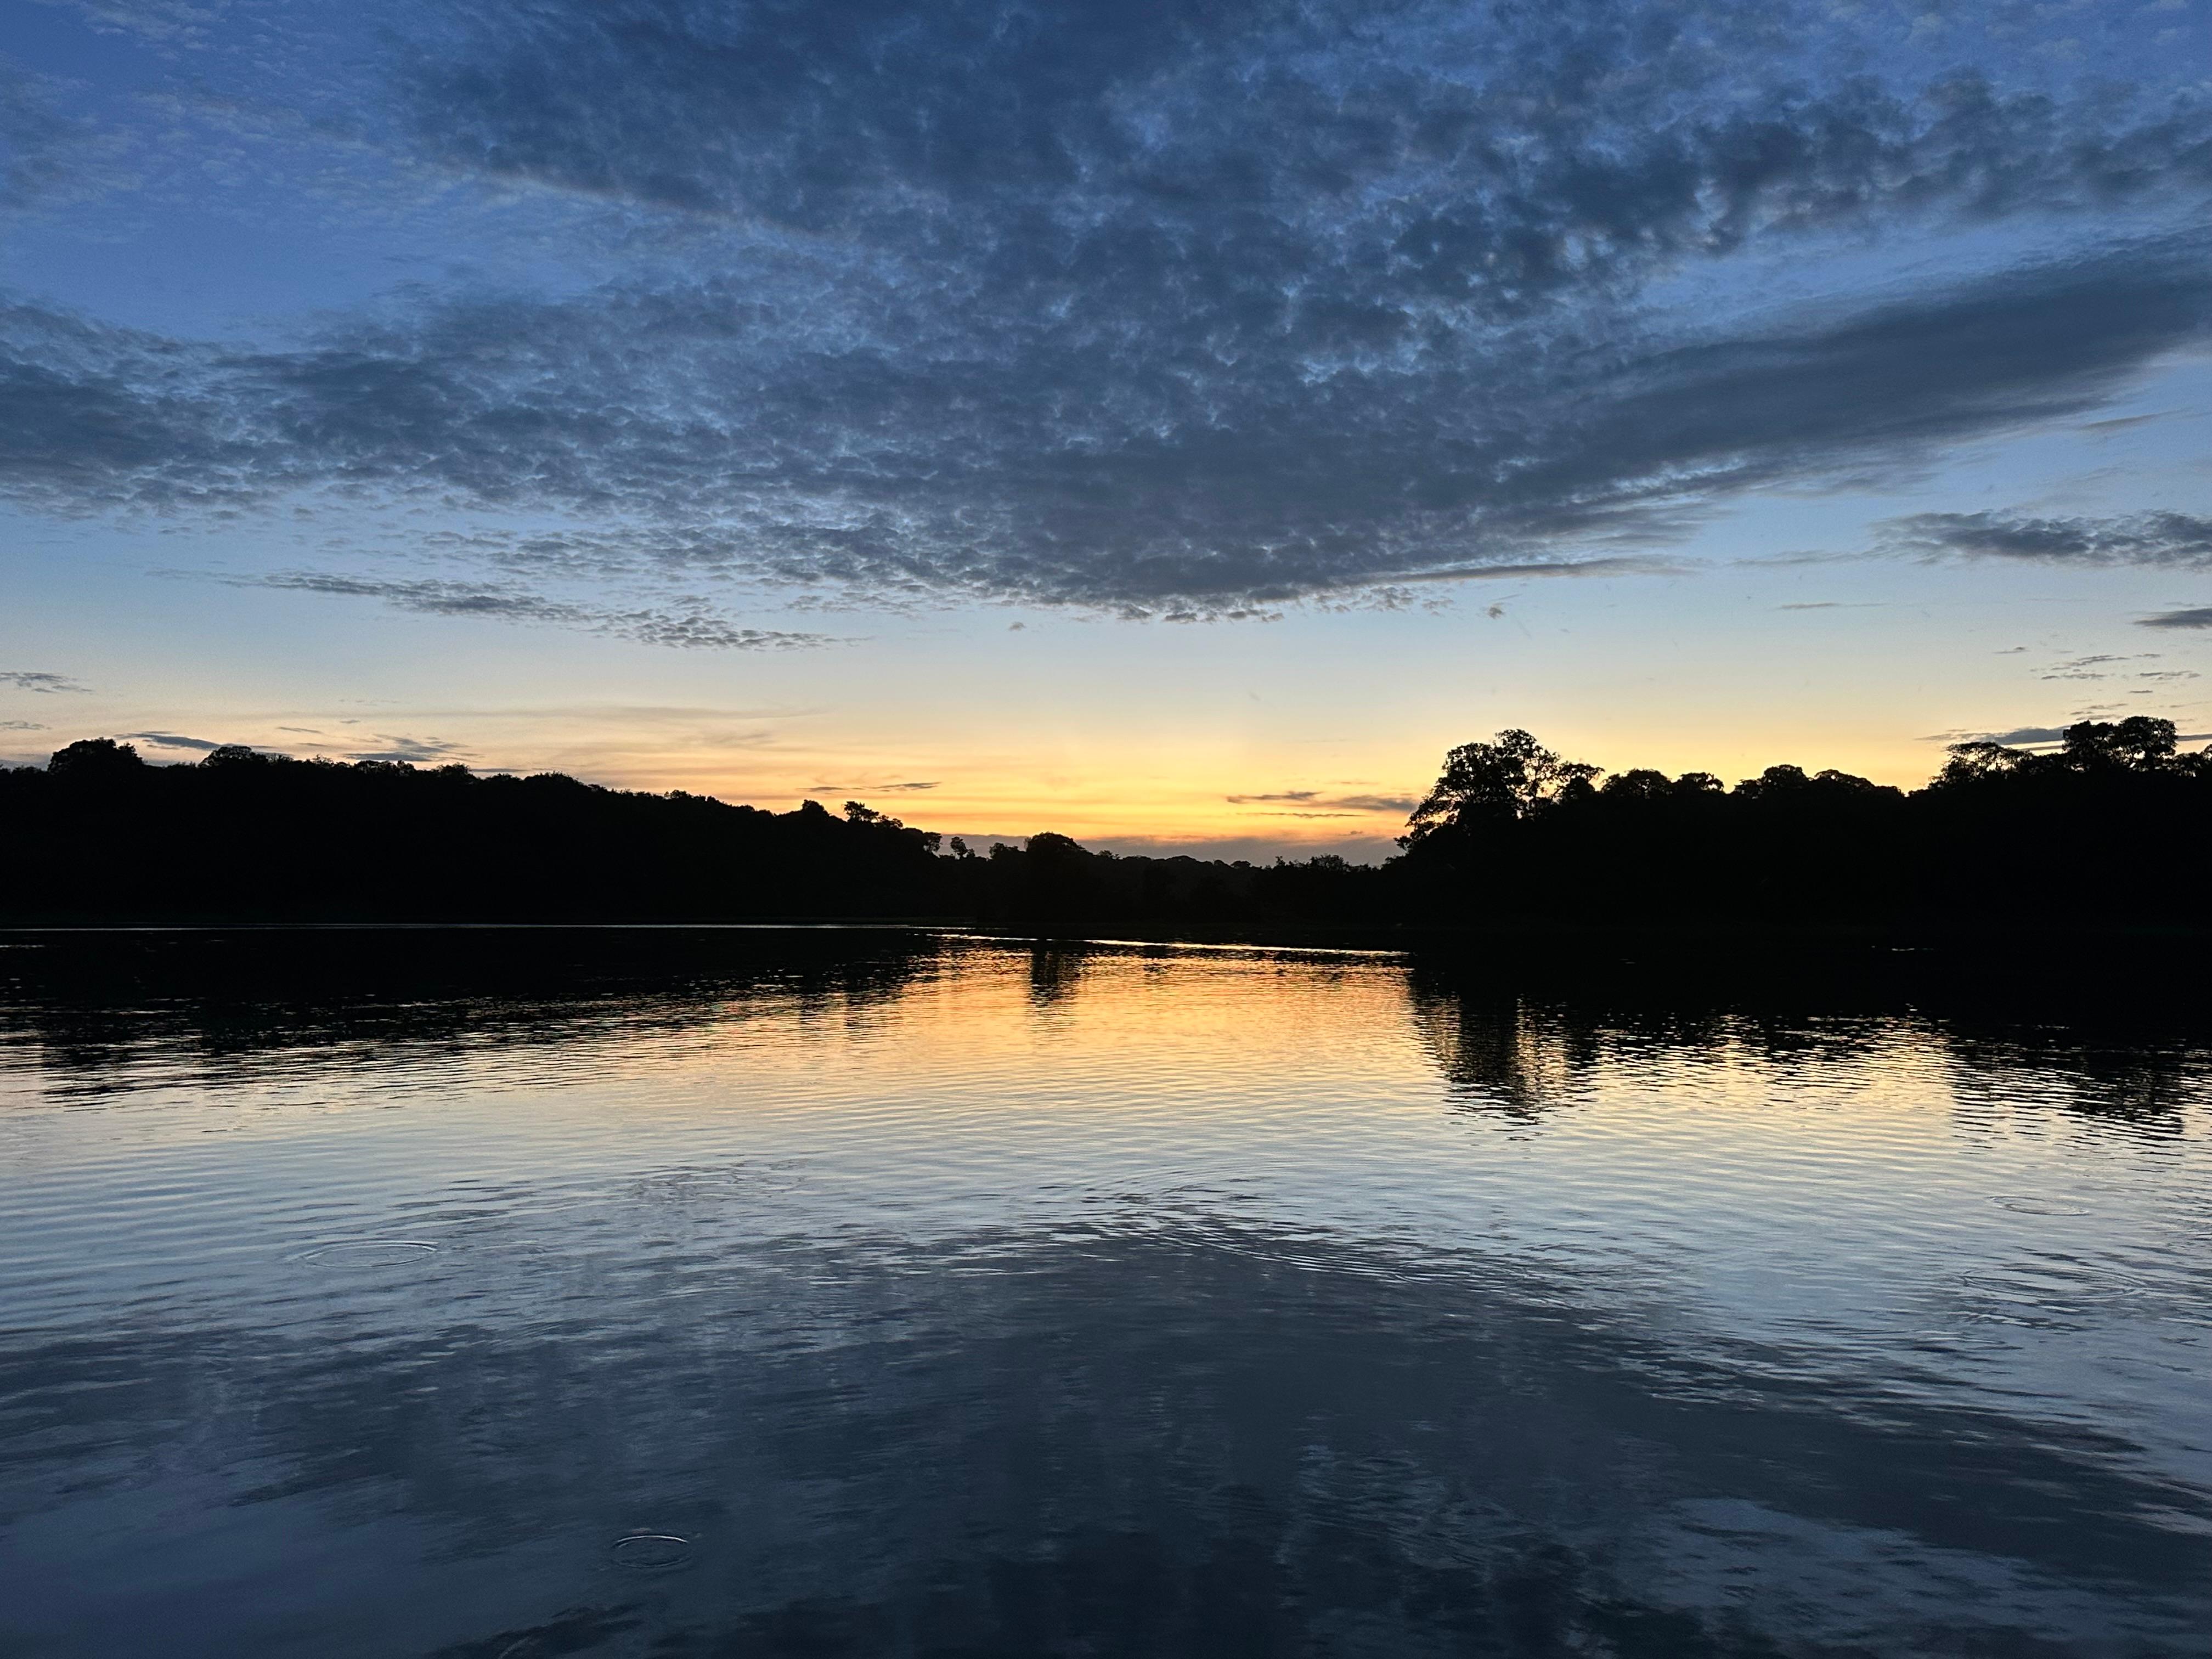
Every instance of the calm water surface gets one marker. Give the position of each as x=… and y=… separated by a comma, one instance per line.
x=507, y=1295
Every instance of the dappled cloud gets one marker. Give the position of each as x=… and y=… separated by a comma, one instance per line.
x=1168, y=309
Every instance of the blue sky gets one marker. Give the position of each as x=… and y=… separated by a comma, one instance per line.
x=1149, y=421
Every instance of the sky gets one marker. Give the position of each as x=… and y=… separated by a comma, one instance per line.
x=1173, y=424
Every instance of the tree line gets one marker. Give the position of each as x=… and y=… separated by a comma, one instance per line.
x=2107, y=828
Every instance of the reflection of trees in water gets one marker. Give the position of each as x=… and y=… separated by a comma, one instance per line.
x=2149, y=1088
x=1503, y=1054
x=109, y=1010
x=100, y=1006
x=1054, y=973
x=2141, y=1061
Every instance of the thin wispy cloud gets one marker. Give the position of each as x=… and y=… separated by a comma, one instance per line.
x=695, y=625
x=410, y=752
x=2019, y=734
x=23, y=679
x=2034, y=737
x=2100, y=666
x=1316, y=803
x=2158, y=540
x=175, y=740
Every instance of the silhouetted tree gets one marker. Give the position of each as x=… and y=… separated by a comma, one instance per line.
x=95, y=757
x=2139, y=743
x=1639, y=783
x=1972, y=762
x=1514, y=777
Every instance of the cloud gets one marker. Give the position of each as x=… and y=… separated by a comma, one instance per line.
x=1617, y=565
x=164, y=22
x=2027, y=735
x=2126, y=422
x=2085, y=668
x=2169, y=540
x=1180, y=310
x=734, y=739
x=694, y=626
x=1501, y=155
x=20, y=726
x=410, y=751
x=172, y=740
x=43, y=152
x=2110, y=666
x=936, y=477
x=1327, y=806
x=2199, y=617
x=2032, y=737
x=31, y=680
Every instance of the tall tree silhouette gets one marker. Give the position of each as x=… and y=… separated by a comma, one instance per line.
x=1511, y=778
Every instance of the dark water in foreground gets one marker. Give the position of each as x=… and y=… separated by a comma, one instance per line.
x=508, y=1296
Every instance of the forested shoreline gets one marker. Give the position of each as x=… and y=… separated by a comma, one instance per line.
x=2108, y=829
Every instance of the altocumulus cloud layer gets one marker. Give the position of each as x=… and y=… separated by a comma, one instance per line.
x=1174, y=308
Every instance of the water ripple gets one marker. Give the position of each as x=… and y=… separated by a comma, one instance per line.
x=974, y=1297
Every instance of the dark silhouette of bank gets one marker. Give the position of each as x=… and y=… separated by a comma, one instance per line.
x=2107, y=829
x=241, y=835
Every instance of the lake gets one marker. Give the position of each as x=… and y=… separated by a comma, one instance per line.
x=491, y=1294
